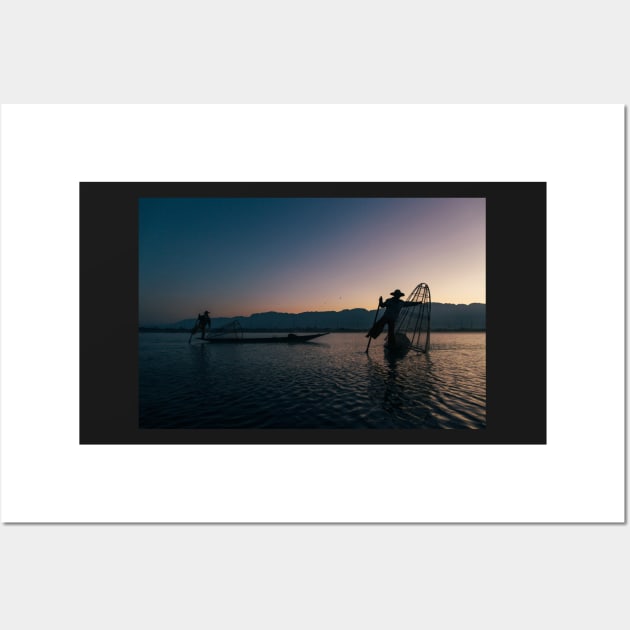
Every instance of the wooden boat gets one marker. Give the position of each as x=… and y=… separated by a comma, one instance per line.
x=290, y=338
x=401, y=346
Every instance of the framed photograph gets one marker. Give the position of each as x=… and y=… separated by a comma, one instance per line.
x=292, y=278
x=123, y=224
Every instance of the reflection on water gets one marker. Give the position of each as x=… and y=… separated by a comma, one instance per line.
x=402, y=395
x=326, y=384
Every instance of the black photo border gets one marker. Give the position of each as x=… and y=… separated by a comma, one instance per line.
x=516, y=396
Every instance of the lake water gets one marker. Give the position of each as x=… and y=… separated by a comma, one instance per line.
x=327, y=383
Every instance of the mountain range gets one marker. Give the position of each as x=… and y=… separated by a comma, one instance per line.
x=443, y=317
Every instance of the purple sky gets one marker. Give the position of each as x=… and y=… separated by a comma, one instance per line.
x=242, y=256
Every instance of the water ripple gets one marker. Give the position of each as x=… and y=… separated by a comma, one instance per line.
x=319, y=385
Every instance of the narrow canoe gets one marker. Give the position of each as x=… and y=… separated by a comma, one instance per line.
x=290, y=338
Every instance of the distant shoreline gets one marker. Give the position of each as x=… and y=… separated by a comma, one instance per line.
x=144, y=329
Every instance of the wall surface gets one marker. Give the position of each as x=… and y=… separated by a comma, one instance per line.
x=488, y=576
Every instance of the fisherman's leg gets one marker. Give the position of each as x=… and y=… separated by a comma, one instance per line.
x=391, y=335
x=377, y=329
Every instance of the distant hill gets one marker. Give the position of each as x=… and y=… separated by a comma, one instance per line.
x=443, y=317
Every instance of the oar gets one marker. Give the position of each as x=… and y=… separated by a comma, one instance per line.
x=375, y=316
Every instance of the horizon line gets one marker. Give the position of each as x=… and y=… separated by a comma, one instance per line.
x=357, y=308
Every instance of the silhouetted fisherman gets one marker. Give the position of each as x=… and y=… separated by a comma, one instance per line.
x=203, y=322
x=393, y=306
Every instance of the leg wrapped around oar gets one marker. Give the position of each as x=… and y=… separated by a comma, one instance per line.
x=369, y=335
x=377, y=329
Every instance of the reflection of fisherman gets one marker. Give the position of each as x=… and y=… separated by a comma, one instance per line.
x=393, y=306
x=202, y=322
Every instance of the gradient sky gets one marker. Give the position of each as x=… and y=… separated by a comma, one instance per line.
x=238, y=256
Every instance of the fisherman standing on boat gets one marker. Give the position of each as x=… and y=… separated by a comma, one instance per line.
x=393, y=306
x=202, y=322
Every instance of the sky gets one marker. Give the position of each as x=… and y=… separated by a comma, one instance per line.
x=239, y=256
